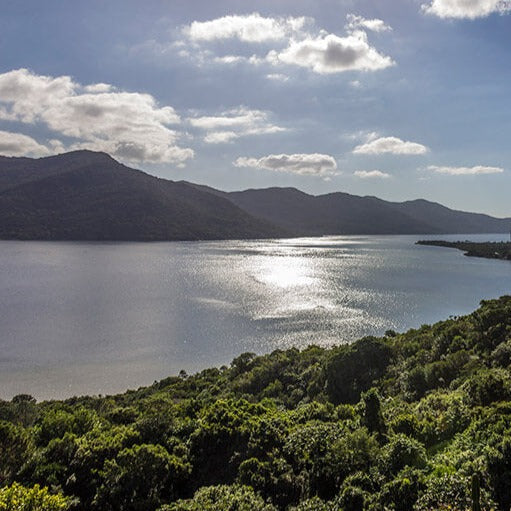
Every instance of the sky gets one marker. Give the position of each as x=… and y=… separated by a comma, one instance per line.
x=399, y=99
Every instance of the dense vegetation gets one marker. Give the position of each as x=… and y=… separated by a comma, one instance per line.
x=415, y=421
x=489, y=250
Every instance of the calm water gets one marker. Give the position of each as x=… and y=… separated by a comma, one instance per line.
x=81, y=318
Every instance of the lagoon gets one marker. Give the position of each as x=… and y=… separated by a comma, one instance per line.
x=99, y=318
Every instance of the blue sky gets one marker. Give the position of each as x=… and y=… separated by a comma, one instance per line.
x=397, y=98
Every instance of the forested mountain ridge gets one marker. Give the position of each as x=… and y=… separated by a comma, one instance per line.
x=89, y=196
x=333, y=213
x=342, y=213
x=415, y=421
x=84, y=195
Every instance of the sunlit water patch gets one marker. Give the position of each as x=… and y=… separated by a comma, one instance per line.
x=99, y=318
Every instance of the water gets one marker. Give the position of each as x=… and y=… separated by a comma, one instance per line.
x=80, y=318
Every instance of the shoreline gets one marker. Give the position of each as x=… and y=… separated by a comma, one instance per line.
x=488, y=250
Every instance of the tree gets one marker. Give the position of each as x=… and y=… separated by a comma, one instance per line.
x=372, y=418
x=352, y=370
x=140, y=479
x=15, y=447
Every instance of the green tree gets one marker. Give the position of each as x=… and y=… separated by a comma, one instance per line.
x=140, y=479
x=15, y=449
x=222, y=498
x=352, y=370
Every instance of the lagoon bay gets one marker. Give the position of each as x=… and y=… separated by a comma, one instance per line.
x=98, y=318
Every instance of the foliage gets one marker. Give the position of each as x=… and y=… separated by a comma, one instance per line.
x=19, y=498
x=222, y=498
x=398, y=423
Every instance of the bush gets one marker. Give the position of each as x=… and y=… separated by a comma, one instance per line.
x=222, y=498
x=488, y=386
x=402, y=451
x=450, y=493
x=19, y=498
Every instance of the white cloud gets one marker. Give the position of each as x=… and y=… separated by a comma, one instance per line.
x=371, y=174
x=392, y=145
x=220, y=137
x=204, y=56
x=333, y=54
x=313, y=164
x=277, y=77
x=17, y=144
x=465, y=171
x=295, y=41
x=99, y=87
x=376, y=25
x=470, y=9
x=252, y=28
x=235, y=123
x=129, y=125
x=230, y=59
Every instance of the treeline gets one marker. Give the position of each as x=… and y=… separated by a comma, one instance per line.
x=489, y=250
x=415, y=421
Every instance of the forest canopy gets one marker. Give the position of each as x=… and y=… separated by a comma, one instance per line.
x=414, y=421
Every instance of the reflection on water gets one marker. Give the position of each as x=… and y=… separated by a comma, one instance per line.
x=99, y=318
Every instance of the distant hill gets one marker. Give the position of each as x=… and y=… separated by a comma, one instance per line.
x=452, y=221
x=89, y=196
x=85, y=195
x=334, y=213
x=342, y=213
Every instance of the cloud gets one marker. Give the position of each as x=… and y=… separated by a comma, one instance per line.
x=313, y=164
x=376, y=25
x=465, y=171
x=220, y=137
x=333, y=54
x=277, y=77
x=371, y=174
x=392, y=145
x=229, y=59
x=295, y=42
x=128, y=125
x=235, y=123
x=17, y=144
x=99, y=87
x=470, y=9
x=251, y=28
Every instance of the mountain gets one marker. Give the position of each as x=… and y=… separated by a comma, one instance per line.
x=85, y=195
x=452, y=221
x=333, y=213
x=342, y=213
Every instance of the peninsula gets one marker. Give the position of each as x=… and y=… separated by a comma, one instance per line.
x=489, y=250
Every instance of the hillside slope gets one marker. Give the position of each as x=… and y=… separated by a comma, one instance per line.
x=450, y=220
x=84, y=195
x=334, y=213
x=342, y=213
x=89, y=196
